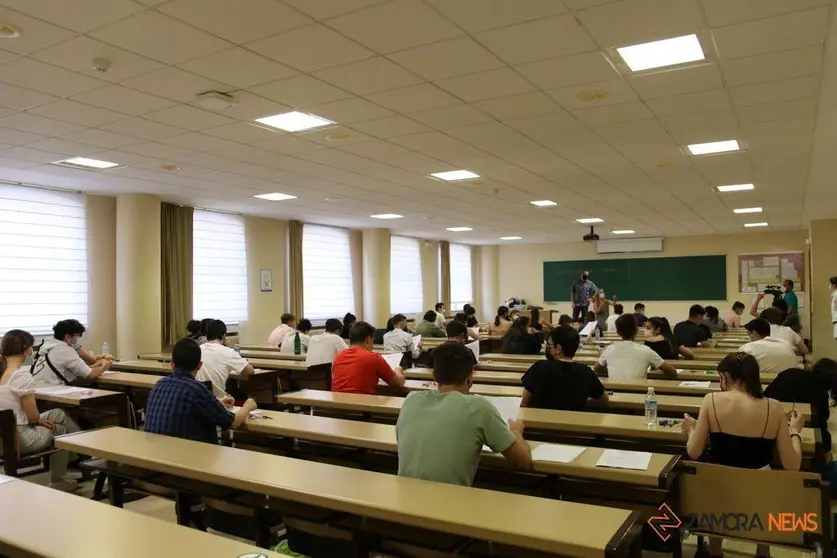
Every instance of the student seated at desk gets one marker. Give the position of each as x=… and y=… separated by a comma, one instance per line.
x=502, y=323
x=520, y=340
x=627, y=359
x=286, y=326
x=181, y=406
x=463, y=319
x=588, y=330
x=558, y=382
x=660, y=338
x=639, y=314
x=773, y=355
x=732, y=317
x=427, y=326
x=565, y=320
x=618, y=310
x=439, y=308
x=324, y=347
x=713, y=321
x=219, y=361
x=193, y=332
x=776, y=318
x=289, y=342
x=58, y=359
x=538, y=323
x=398, y=339
x=692, y=332
x=36, y=431
x=348, y=321
x=358, y=368
x=441, y=432
x=745, y=427
x=471, y=314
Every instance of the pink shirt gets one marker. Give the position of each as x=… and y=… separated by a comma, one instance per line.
x=278, y=334
x=732, y=319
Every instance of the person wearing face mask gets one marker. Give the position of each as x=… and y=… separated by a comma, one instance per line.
x=832, y=287
x=399, y=339
x=59, y=361
x=581, y=291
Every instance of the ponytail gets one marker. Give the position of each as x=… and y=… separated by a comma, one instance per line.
x=664, y=327
x=502, y=312
x=743, y=368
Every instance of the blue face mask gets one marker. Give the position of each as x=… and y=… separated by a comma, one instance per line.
x=76, y=345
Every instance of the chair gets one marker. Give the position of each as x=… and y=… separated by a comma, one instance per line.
x=316, y=377
x=12, y=461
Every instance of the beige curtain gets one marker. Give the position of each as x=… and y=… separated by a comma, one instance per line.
x=295, y=268
x=176, y=270
x=444, y=246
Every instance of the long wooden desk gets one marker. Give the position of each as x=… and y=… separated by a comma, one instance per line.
x=89, y=398
x=275, y=355
x=486, y=364
x=583, y=531
x=682, y=373
x=37, y=521
x=381, y=437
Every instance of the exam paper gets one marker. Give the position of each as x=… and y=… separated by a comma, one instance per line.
x=416, y=341
x=509, y=407
x=588, y=329
x=621, y=459
x=557, y=453
x=695, y=384
x=61, y=390
x=393, y=359
x=475, y=331
x=475, y=348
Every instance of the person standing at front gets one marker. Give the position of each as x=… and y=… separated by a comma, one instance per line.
x=581, y=291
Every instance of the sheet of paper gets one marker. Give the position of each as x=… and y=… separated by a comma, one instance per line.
x=695, y=384
x=475, y=348
x=393, y=359
x=621, y=459
x=109, y=373
x=588, y=329
x=509, y=407
x=61, y=390
x=557, y=453
x=416, y=340
x=475, y=331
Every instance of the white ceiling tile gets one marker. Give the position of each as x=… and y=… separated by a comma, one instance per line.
x=300, y=91
x=162, y=38
x=198, y=142
x=238, y=67
x=721, y=12
x=77, y=55
x=174, y=84
x=415, y=98
x=324, y=9
x=445, y=59
x=396, y=25
x=161, y=151
x=189, y=118
x=250, y=107
x=628, y=22
x=368, y=76
x=569, y=70
x=544, y=126
x=691, y=102
x=324, y=136
x=774, y=66
x=538, y=40
x=607, y=114
x=451, y=117
x=142, y=128
x=288, y=144
x=776, y=91
x=311, y=48
x=785, y=32
x=687, y=126
x=151, y=3
x=5, y=56
x=480, y=15
x=32, y=155
x=583, y=4
x=102, y=138
x=122, y=99
x=391, y=127
x=77, y=113
x=763, y=112
x=351, y=110
x=705, y=77
x=37, y=34
x=80, y=15
x=8, y=163
x=243, y=132
x=516, y=106
x=241, y=21
x=614, y=91
x=17, y=137
x=48, y=127
x=65, y=147
x=25, y=72
x=17, y=98
x=486, y=85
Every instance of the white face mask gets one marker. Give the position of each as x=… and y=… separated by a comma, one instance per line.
x=831, y=287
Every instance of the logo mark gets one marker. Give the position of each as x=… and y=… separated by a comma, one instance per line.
x=665, y=523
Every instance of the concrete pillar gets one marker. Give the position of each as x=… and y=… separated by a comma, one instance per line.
x=489, y=280
x=376, y=266
x=430, y=273
x=101, y=273
x=138, y=284
x=823, y=266
x=266, y=241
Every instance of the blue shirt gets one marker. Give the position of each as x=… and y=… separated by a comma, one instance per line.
x=793, y=302
x=183, y=407
x=582, y=291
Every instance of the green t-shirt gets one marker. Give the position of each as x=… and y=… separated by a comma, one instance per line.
x=441, y=435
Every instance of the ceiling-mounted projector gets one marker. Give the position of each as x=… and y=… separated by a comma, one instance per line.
x=592, y=237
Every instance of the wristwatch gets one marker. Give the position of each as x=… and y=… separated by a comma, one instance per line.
x=798, y=435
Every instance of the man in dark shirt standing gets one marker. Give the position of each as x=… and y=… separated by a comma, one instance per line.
x=691, y=332
x=581, y=291
x=559, y=383
x=183, y=407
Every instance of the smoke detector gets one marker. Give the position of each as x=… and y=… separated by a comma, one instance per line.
x=101, y=65
x=215, y=100
x=9, y=31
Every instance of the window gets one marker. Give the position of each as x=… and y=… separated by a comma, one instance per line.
x=327, y=282
x=460, y=276
x=219, y=267
x=406, y=295
x=43, y=271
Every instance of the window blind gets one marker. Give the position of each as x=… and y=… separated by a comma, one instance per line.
x=461, y=287
x=219, y=267
x=405, y=284
x=328, y=288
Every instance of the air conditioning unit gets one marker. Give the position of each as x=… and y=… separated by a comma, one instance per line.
x=629, y=245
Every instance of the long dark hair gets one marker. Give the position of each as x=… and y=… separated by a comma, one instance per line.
x=825, y=371
x=502, y=312
x=744, y=368
x=14, y=342
x=661, y=324
x=712, y=314
x=521, y=323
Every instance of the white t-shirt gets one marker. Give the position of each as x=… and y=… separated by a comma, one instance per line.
x=20, y=383
x=773, y=355
x=611, y=322
x=278, y=335
x=440, y=320
x=626, y=359
x=218, y=363
x=287, y=345
x=323, y=348
x=785, y=334
x=399, y=341
x=63, y=358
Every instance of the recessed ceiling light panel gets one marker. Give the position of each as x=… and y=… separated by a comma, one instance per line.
x=460, y=229
x=387, y=216
x=712, y=147
x=747, y=210
x=450, y=176
x=624, y=231
x=295, y=121
x=751, y=225
x=275, y=196
x=736, y=188
x=659, y=54
x=543, y=203
x=511, y=238
x=589, y=221
x=86, y=163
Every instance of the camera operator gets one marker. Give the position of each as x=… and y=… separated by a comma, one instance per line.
x=783, y=298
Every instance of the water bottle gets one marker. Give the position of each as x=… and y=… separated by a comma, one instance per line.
x=237, y=348
x=105, y=351
x=297, y=344
x=650, y=408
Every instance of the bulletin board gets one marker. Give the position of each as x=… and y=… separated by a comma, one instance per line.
x=756, y=271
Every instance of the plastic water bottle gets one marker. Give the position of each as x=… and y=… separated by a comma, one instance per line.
x=237, y=347
x=297, y=344
x=105, y=349
x=650, y=408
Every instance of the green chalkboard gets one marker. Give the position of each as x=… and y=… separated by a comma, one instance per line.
x=692, y=278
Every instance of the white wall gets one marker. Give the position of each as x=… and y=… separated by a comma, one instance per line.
x=101, y=273
x=521, y=266
x=266, y=247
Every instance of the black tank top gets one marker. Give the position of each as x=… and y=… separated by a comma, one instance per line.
x=744, y=452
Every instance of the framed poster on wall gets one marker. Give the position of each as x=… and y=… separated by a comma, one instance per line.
x=757, y=271
x=266, y=280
